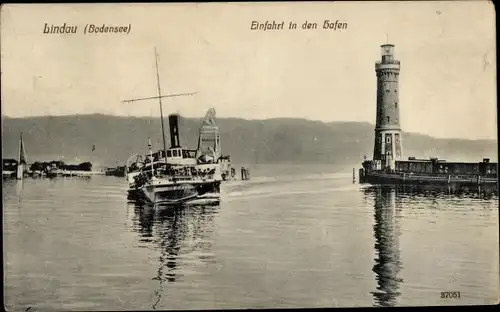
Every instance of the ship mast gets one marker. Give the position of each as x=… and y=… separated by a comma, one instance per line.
x=161, y=107
x=159, y=97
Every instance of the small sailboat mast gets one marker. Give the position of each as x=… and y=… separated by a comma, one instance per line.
x=21, y=160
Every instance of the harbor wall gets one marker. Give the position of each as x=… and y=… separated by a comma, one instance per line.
x=403, y=178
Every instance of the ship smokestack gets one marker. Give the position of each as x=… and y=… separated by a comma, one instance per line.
x=173, y=121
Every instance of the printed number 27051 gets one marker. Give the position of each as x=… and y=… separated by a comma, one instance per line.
x=450, y=294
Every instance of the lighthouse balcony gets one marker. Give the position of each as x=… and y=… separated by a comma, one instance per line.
x=385, y=65
x=387, y=127
x=387, y=62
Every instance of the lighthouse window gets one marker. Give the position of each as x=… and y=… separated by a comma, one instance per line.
x=397, y=138
x=388, y=119
x=387, y=91
x=388, y=139
x=396, y=104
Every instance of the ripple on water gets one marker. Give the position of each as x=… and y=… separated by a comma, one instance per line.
x=309, y=239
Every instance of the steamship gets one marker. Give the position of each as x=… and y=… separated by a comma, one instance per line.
x=387, y=166
x=178, y=175
x=183, y=176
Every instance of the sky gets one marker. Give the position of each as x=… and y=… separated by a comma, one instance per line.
x=447, y=51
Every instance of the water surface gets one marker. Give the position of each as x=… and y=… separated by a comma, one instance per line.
x=292, y=236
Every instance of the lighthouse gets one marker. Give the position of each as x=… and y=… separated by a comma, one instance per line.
x=387, y=148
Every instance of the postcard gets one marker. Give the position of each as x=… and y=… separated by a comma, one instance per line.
x=248, y=155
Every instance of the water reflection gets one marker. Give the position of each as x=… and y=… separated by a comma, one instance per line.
x=144, y=217
x=388, y=201
x=433, y=192
x=386, y=231
x=181, y=234
x=19, y=189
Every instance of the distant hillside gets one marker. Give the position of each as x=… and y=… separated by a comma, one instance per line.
x=247, y=141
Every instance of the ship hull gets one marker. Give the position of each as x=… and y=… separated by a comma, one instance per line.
x=168, y=194
x=177, y=193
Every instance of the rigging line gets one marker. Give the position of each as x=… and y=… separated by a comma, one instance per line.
x=157, y=97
